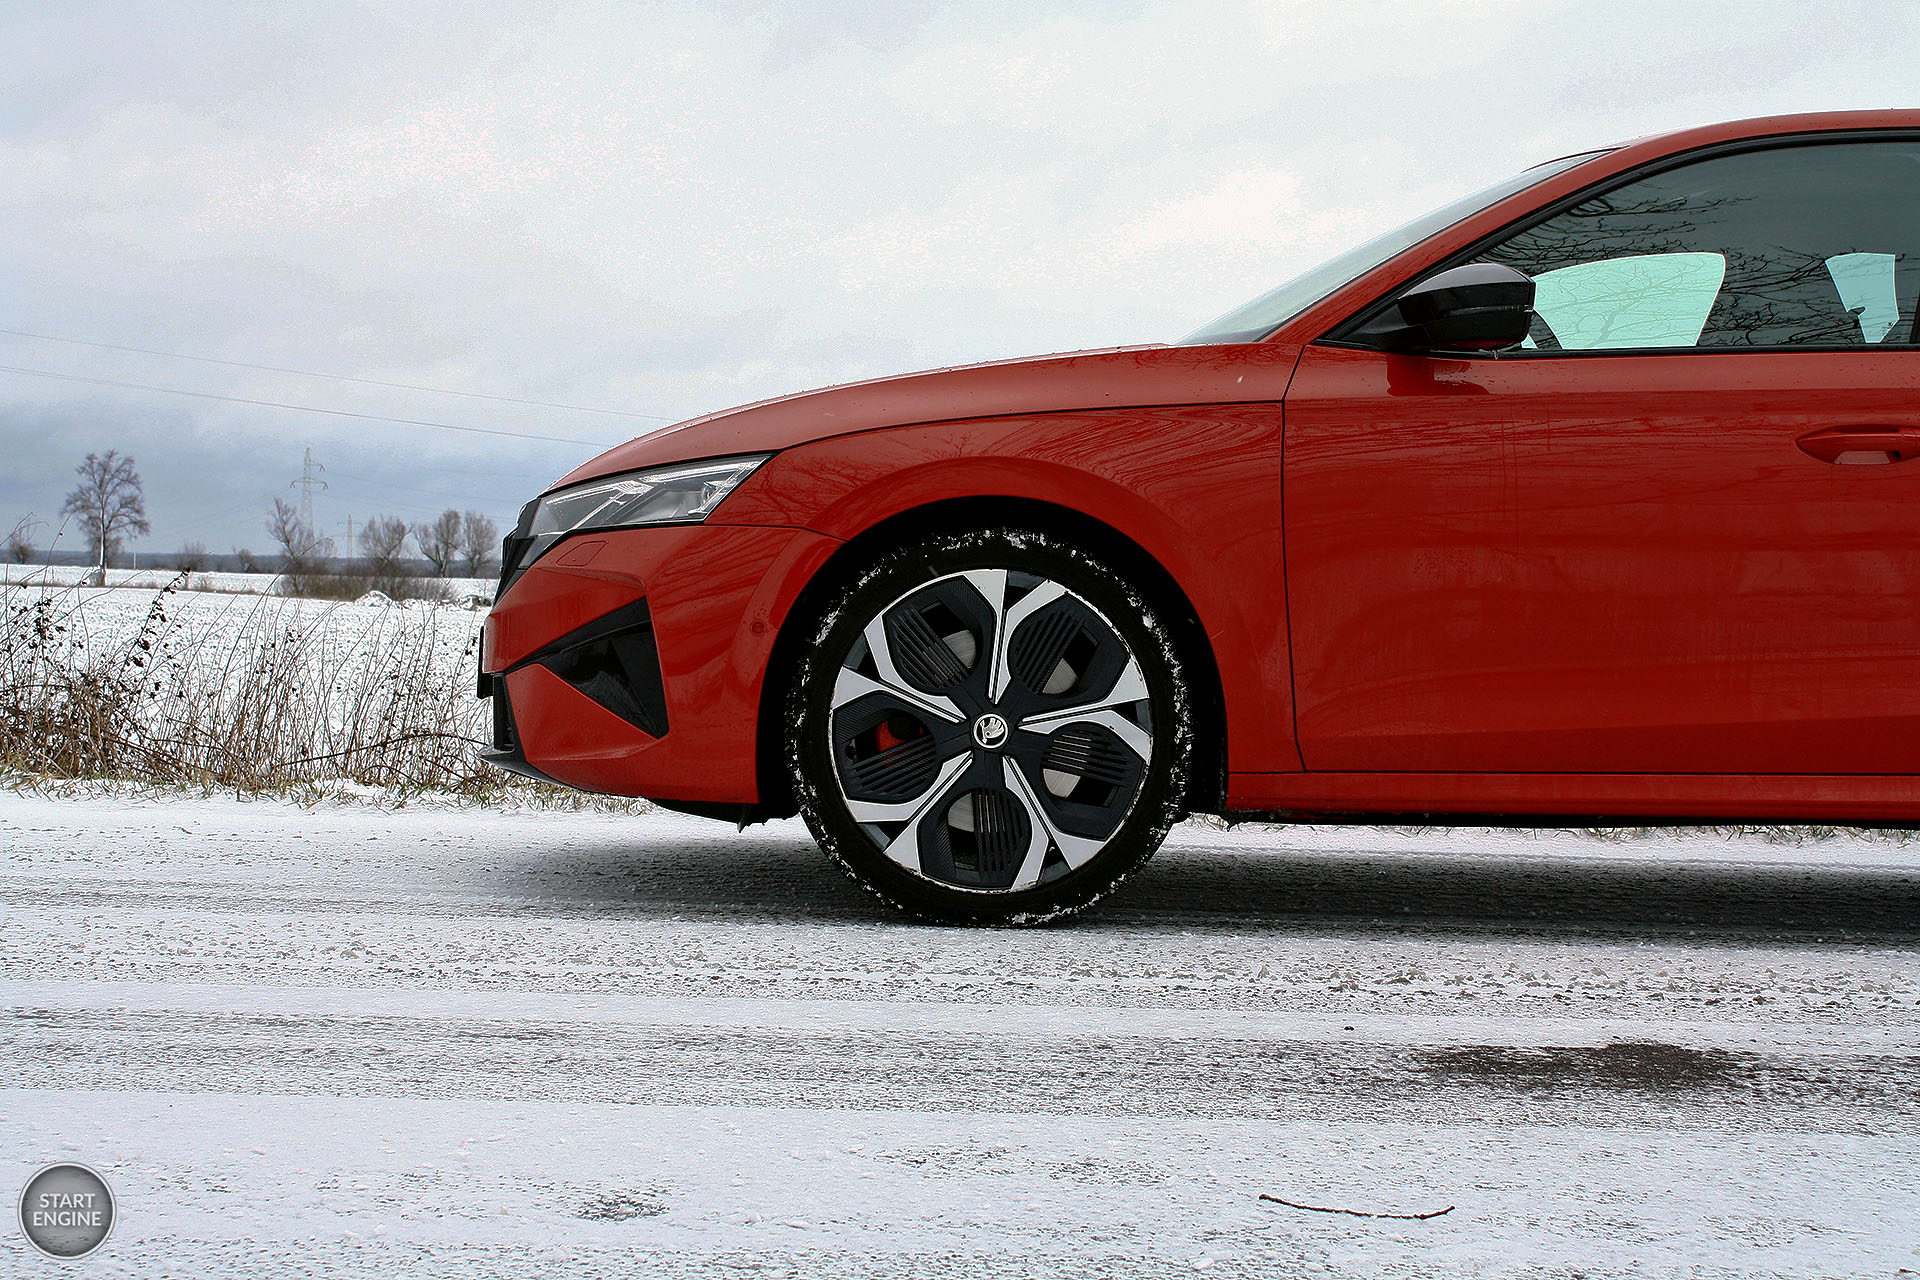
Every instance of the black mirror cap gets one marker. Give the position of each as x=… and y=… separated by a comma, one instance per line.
x=1482, y=306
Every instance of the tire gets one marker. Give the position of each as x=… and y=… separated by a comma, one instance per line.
x=961, y=737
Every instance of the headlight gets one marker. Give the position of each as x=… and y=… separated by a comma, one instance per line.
x=683, y=494
x=670, y=495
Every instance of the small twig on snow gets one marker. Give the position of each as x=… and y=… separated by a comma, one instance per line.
x=1355, y=1213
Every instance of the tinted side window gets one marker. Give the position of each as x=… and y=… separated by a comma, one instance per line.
x=1814, y=244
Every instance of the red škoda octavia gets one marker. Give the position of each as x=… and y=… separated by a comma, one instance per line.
x=1593, y=494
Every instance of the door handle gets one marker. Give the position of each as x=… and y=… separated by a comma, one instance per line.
x=1862, y=446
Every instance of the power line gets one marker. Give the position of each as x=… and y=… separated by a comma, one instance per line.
x=300, y=408
x=421, y=508
x=218, y=517
x=466, y=496
x=334, y=377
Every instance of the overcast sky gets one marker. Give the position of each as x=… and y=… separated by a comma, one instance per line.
x=668, y=209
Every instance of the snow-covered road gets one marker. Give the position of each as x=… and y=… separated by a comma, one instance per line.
x=369, y=1042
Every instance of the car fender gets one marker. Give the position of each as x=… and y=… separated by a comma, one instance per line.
x=1196, y=487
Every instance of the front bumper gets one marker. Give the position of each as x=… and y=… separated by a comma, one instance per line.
x=631, y=662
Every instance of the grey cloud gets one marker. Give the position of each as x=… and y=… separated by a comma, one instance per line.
x=671, y=208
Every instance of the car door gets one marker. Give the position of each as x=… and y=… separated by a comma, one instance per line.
x=1678, y=532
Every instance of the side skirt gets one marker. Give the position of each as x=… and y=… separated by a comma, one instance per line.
x=1576, y=799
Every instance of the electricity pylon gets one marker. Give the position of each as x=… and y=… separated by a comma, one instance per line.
x=309, y=481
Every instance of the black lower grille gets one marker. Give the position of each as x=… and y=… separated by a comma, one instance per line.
x=622, y=674
x=612, y=660
x=503, y=738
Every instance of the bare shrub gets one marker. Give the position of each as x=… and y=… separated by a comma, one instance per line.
x=20, y=541
x=253, y=693
x=192, y=558
x=318, y=585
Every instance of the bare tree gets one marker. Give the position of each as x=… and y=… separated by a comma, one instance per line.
x=383, y=539
x=439, y=542
x=382, y=543
x=302, y=550
x=20, y=541
x=479, y=539
x=109, y=503
x=297, y=539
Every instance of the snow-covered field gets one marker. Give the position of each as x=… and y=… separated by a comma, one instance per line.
x=106, y=617
x=436, y=1041
x=216, y=619
x=62, y=575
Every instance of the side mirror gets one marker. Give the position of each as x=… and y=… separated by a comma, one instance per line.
x=1482, y=306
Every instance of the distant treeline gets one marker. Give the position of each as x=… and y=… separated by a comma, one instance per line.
x=227, y=562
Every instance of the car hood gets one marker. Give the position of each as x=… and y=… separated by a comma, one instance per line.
x=1117, y=377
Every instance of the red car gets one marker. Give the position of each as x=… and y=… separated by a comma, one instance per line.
x=1582, y=497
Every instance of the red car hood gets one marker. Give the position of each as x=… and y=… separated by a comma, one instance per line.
x=1117, y=377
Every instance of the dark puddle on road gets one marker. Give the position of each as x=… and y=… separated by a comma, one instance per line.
x=1643, y=1065
x=620, y=1206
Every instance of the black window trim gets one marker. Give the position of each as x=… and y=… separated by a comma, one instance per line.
x=1332, y=337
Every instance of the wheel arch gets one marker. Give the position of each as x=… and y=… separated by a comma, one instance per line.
x=1206, y=790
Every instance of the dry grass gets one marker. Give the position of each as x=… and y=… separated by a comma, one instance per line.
x=252, y=695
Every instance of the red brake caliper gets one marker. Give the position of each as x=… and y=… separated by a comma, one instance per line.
x=885, y=739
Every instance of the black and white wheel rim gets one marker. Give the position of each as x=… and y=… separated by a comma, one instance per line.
x=991, y=730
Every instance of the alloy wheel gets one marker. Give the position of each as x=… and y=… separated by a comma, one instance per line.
x=990, y=730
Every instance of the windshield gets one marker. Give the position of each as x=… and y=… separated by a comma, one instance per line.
x=1275, y=307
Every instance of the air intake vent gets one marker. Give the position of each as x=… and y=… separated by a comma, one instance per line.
x=615, y=662
x=503, y=736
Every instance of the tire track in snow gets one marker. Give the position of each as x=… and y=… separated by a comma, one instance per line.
x=877, y=1066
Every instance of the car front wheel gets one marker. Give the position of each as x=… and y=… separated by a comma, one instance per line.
x=990, y=728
